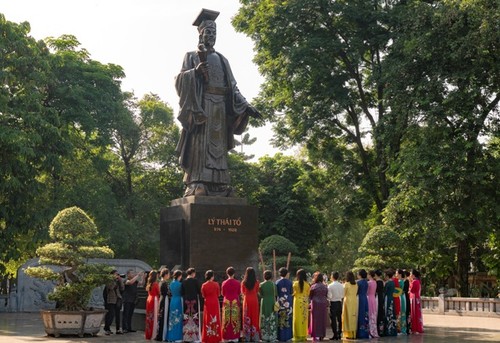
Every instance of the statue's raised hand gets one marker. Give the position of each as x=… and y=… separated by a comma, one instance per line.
x=202, y=70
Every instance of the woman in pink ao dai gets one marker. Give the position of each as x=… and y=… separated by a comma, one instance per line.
x=372, y=304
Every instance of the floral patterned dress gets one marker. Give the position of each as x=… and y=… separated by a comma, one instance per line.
x=285, y=300
x=231, y=307
x=175, y=314
x=268, y=319
x=396, y=300
x=390, y=323
x=191, y=294
x=402, y=314
x=211, y=313
x=372, y=308
x=251, y=330
x=300, y=311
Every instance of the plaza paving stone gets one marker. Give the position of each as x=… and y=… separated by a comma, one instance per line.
x=28, y=327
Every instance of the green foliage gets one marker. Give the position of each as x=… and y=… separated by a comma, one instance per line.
x=29, y=139
x=76, y=278
x=70, y=224
x=395, y=100
x=344, y=208
x=282, y=246
x=75, y=296
x=284, y=200
x=322, y=63
x=143, y=175
x=244, y=177
x=444, y=73
x=492, y=259
x=245, y=140
x=279, y=244
x=72, y=137
x=43, y=273
x=381, y=249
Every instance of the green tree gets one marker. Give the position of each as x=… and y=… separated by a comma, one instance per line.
x=244, y=177
x=75, y=240
x=284, y=202
x=282, y=247
x=322, y=63
x=69, y=136
x=30, y=140
x=144, y=174
x=346, y=210
x=444, y=73
x=245, y=140
x=381, y=249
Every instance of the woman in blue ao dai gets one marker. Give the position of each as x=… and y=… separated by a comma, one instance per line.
x=175, y=313
x=285, y=299
x=363, y=330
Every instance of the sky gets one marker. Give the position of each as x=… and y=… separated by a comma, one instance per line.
x=148, y=39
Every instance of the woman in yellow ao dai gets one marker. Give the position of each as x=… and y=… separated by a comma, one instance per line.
x=300, y=306
x=350, y=307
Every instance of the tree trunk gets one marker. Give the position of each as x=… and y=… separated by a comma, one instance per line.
x=463, y=261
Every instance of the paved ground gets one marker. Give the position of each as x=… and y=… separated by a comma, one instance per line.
x=28, y=327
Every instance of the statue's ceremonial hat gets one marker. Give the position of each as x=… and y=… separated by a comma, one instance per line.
x=205, y=18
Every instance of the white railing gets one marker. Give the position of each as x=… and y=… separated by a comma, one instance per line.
x=480, y=307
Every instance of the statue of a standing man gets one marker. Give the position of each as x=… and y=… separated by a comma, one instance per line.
x=212, y=110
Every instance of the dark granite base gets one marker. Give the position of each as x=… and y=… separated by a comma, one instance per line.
x=209, y=233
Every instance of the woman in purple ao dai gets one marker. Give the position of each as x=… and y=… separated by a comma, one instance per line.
x=319, y=307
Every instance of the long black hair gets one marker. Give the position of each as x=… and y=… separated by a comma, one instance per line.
x=209, y=274
x=350, y=277
x=249, y=279
x=152, y=277
x=301, y=276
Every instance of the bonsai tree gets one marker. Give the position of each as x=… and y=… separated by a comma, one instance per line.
x=75, y=239
x=381, y=249
x=282, y=246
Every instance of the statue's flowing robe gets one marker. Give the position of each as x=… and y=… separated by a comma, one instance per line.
x=209, y=120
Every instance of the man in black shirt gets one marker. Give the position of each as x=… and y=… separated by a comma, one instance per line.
x=129, y=297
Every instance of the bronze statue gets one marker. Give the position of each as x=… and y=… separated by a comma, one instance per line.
x=212, y=111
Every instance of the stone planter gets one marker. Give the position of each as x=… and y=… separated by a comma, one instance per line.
x=79, y=323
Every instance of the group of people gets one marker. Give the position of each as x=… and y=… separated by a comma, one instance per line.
x=121, y=292
x=183, y=310
x=373, y=307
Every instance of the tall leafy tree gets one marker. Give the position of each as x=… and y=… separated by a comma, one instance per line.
x=343, y=206
x=244, y=177
x=30, y=140
x=322, y=63
x=144, y=174
x=285, y=202
x=444, y=72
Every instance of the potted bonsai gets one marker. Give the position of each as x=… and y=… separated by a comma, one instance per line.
x=66, y=261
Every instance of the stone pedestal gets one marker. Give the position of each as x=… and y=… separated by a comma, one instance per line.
x=209, y=233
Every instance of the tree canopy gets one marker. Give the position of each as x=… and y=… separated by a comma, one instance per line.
x=398, y=100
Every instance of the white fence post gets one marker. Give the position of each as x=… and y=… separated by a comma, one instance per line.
x=441, y=304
